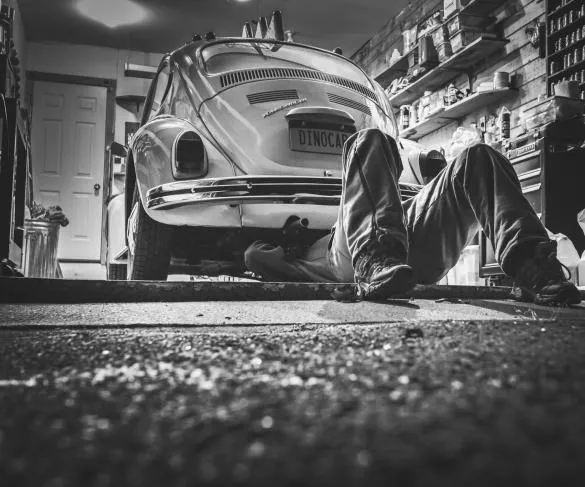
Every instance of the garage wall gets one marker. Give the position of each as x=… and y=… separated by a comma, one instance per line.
x=518, y=57
x=98, y=62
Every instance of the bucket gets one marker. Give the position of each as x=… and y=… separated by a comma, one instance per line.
x=41, y=239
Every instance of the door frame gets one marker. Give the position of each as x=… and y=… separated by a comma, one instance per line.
x=110, y=85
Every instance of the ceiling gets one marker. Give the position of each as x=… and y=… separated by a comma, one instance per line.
x=325, y=23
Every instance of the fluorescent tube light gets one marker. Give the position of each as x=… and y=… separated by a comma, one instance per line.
x=112, y=13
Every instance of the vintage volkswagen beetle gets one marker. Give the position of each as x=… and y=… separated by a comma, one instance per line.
x=237, y=135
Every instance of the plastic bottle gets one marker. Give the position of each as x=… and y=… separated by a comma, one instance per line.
x=581, y=271
x=504, y=120
x=567, y=255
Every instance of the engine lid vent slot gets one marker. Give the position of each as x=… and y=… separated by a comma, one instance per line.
x=356, y=105
x=247, y=75
x=268, y=96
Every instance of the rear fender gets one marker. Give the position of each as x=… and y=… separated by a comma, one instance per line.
x=152, y=152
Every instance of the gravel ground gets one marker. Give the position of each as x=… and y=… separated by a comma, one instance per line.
x=446, y=403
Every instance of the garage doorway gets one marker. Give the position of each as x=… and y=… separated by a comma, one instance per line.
x=69, y=135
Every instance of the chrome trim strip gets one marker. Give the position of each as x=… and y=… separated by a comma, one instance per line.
x=218, y=183
x=175, y=201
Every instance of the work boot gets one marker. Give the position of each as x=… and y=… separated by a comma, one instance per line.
x=380, y=275
x=540, y=278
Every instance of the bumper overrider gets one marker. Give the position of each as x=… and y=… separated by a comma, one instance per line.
x=246, y=189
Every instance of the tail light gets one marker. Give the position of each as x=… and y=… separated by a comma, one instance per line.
x=189, y=157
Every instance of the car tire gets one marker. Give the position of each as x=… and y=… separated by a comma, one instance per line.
x=151, y=257
x=116, y=272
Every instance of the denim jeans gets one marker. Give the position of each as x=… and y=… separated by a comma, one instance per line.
x=479, y=190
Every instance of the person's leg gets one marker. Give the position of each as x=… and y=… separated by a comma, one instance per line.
x=370, y=234
x=479, y=190
x=268, y=261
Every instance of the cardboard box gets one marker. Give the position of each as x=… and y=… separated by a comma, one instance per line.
x=463, y=38
x=463, y=22
x=413, y=58
x=450, y=7
x=440, y=35
x=444, y=51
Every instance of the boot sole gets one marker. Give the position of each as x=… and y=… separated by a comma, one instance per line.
x=566, y=295
x=400, y=281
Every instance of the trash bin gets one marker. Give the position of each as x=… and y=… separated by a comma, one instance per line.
x=41, y=239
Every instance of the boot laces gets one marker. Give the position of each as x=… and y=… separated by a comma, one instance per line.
x=375, y=259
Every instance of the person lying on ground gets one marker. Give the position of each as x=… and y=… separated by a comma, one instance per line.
x=387, y=245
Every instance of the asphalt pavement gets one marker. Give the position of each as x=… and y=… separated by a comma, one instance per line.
x=317, y=399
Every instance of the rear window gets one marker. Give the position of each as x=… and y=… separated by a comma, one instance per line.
x=219, y=58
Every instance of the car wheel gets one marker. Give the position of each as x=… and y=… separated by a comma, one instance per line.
x=149, y=245
x=116, y=272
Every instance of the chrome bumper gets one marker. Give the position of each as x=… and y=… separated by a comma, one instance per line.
x=247, y=189
x=254, y=189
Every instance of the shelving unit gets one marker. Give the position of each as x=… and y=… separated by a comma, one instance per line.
x=125, y=100
x=565, y=43
x=454, y=112
x=459, y=63
x=15, y=160
x=556, y=7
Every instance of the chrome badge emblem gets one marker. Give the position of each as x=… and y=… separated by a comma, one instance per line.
x=284, y=107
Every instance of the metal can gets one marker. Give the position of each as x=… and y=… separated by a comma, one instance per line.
x=404, y=117
x=41, y=240
x=554, y=67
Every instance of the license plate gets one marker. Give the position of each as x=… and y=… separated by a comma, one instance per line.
x=319, y=141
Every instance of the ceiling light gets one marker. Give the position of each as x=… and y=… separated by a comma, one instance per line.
x=112, y=13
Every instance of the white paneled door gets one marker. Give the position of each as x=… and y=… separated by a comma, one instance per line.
x=68, y=144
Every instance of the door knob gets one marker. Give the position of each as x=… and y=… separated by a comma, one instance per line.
x=96, y=188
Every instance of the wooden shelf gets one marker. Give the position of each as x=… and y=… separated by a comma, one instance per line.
x=567, y=28
x=455, y=112
x=395, y=70
x=124, y=100
x=481, y=8
x=140, y=71
x=574, y=67
x=459, y=63
x=577, y=45
x=564, y=8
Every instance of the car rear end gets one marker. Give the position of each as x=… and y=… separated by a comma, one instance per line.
x=280, y=114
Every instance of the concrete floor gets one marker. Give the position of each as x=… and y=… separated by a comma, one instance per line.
x=83, y=270
x=409, y=404
x=262, y=393
x=258, y=313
